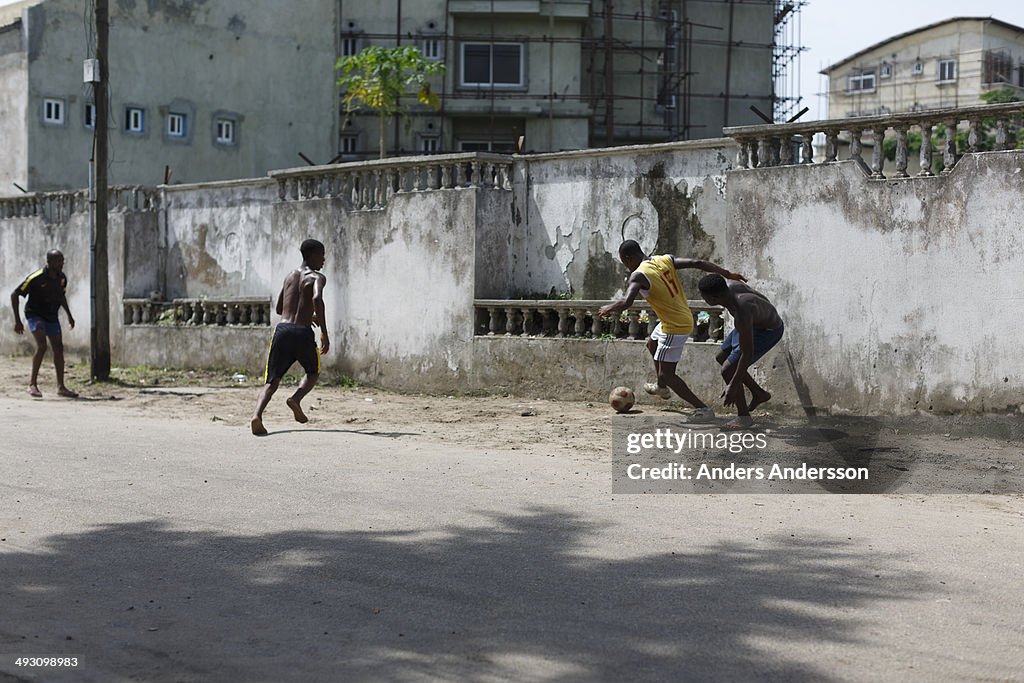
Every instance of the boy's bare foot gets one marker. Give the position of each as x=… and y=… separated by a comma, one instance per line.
x=66, y=393
x=297, y=410
x=758, y=399
x=33, y=390
x=256, y=424
x=737, y=424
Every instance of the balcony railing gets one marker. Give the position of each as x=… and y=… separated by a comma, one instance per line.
x=210, y=312
x=57, y=207
x=577, y=319
x=791, y=143
x=370, y=185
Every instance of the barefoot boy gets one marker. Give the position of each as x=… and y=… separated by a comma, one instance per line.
x=46, y=290
x=655, y=278
x=301, y=306
x=758, y=329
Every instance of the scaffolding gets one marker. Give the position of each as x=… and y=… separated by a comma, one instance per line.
x=788, y=46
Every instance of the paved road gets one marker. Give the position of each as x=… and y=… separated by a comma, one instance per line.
x=167, y=550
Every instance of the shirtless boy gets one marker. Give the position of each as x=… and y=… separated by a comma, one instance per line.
x=758, y=328
x=301, y=307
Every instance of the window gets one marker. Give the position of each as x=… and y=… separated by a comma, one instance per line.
x=863, y=81
x=176, y=125
x=348, y=144
x=431, y=48
x=666, y=100
x=996, y=67
x=494, y=64
x=947, y=70
x=224, y=131
x=134, y=120
x=918, y=68
x=53, y=111
x=349, y=45
x=429, y=144
x=486, y=146
x=885, y=71
x=90, y=115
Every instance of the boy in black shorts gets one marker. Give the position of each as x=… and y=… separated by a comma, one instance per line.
x=301, y=306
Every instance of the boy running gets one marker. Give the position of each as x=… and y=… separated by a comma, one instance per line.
x=301, y=306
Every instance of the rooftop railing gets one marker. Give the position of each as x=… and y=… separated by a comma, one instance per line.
x=57, y=207
x=369, y=185
x=578, y=319
x=792, y=143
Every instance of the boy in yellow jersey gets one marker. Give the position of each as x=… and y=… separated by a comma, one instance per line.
x=655, y=278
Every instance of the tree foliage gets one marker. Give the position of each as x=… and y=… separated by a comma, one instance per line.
x=378, y=78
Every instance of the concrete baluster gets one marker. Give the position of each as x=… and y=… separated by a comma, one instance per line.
x=949, y=147
x=877, y=158
x=925, y=158
x=901, y=151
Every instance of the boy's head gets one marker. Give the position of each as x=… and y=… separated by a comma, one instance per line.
x=714, y=289
x=313, y=254
x=631, y=254
x=54, y=260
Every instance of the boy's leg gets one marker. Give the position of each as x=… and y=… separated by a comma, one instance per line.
x=57, y=344
x=305, y=386
x=256, y=424
x=667, y=377
x=39, y=334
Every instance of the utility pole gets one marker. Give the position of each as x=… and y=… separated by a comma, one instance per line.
x=100, y=332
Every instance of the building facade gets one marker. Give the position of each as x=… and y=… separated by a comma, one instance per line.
x=198, y=91
x=946, y=64
x=568, y=74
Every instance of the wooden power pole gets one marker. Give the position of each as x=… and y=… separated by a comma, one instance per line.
x=100, y=332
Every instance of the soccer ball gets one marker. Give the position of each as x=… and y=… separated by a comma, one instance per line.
x=621, y=399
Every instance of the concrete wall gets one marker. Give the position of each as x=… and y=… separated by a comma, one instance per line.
x=204, y=59
x=572, y=211
x=899, y=295
x=218, y=240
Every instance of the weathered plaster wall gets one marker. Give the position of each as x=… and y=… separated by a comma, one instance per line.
x=897, y=295
x=400, y=283
x=571, y=211
x=218, y=239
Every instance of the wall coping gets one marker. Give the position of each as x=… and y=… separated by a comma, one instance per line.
x=391, y=162
x=217, y=184
x=680, y=146
x=870, y=122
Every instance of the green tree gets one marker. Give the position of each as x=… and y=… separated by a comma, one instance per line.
x=379, y=77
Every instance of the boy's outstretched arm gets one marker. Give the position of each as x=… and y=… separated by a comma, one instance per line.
x=632, y=291
x=707, y=266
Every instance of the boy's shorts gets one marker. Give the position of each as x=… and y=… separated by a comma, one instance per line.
x=292, y=343
x=35, y=324
x=670, y=346
x=764, y=340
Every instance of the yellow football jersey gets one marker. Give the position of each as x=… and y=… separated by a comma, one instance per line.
x=666, y=295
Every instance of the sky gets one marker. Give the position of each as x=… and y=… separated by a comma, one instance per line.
x=834, y=29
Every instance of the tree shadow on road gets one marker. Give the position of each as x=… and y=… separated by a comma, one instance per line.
x=517, y=595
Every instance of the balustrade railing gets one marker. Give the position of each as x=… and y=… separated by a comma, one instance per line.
x=57, y=207
x=578, y=319
x=792, y=143
x=210, y=312
x=371, y=184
